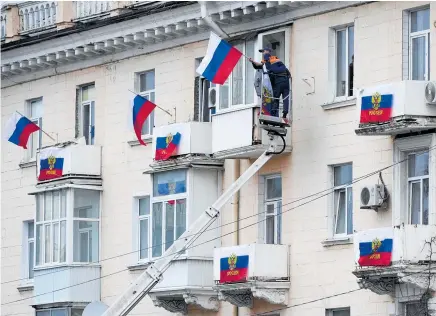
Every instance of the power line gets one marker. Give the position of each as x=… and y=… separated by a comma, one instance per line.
x=219, y=237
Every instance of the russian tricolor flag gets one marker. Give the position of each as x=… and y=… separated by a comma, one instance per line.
x=376, y=108
x=234, y=269
x=375, y=253
x=51, y=163
x=18, y=130
x=142, y=108
x=166, y=146
x=220, y=59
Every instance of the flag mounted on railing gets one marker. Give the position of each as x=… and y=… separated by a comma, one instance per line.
x=18, y=130
x=376, y=108
x=377, y=252
x=142, y=109
x=51, y=163
x=167, y=146
x=220, y=59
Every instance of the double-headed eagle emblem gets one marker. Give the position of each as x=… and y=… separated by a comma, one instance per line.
x=51, y=162
x=375, y=100
x=232, y=261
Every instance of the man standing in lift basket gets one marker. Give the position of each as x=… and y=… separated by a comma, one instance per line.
x=279, y=76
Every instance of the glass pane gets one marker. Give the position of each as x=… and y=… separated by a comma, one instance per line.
x=76, y=312
x=340, y=211
x=43, y=313
x=279, y=222
x=418, y=164
x=343, y=175
x=144, y=206
x=86, y=203
x=341, y=63
x=414, y=309
x=31, y=250
x=143, y=238
x=36, y=108
x=85, y=241
x=269, y=229
x=415, y=202
x=350, y=60
x=63, y=203
x=418, y=58
x=249, y=73
x=91, y=92
x=349, y=211
x=169, y=182
x=224, y=95
x=156, y=230
x=425, y=191
x=39, y=207
x=34, y=143
x=276, y=41
x=92, y=130
x=180, y=217
x=56, y=204
x=39, y=246
x=146, y=81
x=85, y=122
x=55, y=242
x=238, y=79
x=30, y=230
x=274, y=188
x=420, y=20
x=270, y=208
x=85, y=94
x=47, y=245
x=169, y=223
x=63, y=242
x=341, y=313
x=59, y=312
x=48, y=204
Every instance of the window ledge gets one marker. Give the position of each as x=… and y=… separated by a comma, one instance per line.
x=25, y=287
x=27, y=164
x=235, y=108
x=339, y=104
x=139, y=266
x=337, y=241
x=68, y=265
x=146, y=139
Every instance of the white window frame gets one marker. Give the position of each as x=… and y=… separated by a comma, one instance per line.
x=346, y=97
x=91, y=104
x=340, y=188
x=277, y=204
x=330, y=312
x=400, y=197
x=411, y=181
x=413, y=35
x=164, y=199
x=69, y=229
x=31, y=152
x=146, y=94
x=68, y=310
x=138, y=226
x=28, y=243
x=257, y=46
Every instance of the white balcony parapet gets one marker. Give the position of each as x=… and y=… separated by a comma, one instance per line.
x=87, y=9
x=37, y=16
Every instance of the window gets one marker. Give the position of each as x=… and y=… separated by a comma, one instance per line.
x=344, y=61
x=273, y=208
x=28, y=249
x=144, y=224
x=66, y=311
x=168, y=213
x=415, y=309
x=419, y=44
x=338, y=312
x=418, y=187
x=202, y=111
x=51, y=225
x=146, y=88
x=34, y=113
x=343, y=200
x=87, y=113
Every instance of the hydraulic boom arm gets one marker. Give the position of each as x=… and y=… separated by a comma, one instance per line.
x=150, y=277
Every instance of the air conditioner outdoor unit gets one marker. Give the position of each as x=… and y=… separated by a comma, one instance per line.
x=372, y=196
x=430, y=92
x=213, y=97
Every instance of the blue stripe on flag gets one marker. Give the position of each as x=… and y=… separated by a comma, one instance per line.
x=19, y=128
x=241, y=262
x=366, y=247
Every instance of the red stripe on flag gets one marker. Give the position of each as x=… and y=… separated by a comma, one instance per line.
x=376, y=259
x=24, y=137
x=49, y=174
x=164, y=154
x=375, y=116
x=236, y=275
x=143, y=114
x=227, y=66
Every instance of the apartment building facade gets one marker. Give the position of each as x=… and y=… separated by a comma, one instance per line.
x=74, y=68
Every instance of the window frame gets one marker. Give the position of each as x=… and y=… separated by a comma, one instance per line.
x=345, y=97
x=139, y=219
x=331, y=311
x=413, y=35
x=38, y=121
x=335, y=207
x=277, y=203
x=28, y=244
x=68, y=310
x=90, y=138
x=410, y=182
x=400, y=198
x=146, y=94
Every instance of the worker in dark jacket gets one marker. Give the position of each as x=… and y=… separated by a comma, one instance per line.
x=279, y=77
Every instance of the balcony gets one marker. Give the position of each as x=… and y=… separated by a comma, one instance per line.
x=245, y=273
x=67, y=284
x=410, y=111
x=37, y=16
x=409, y=260
x=72, y=161
x=236, y=134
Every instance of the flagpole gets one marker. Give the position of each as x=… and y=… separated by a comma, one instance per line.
x=39, y=128
x=154, y=104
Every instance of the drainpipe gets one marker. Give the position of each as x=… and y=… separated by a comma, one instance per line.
x=207, y=18
x=235, y=206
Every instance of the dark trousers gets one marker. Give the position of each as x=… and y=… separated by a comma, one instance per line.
x=280, y=88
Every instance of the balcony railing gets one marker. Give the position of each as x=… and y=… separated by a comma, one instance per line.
x=37, y=16
x=86, y=9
